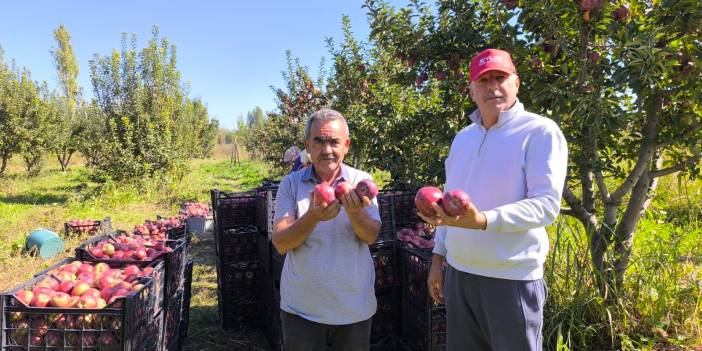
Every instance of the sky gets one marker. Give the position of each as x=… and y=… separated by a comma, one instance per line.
x=229, y=52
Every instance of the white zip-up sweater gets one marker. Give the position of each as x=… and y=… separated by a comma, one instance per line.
x=514, y=172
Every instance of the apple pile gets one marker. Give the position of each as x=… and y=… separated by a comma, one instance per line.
x=454, y=203
x=324, y=193
x=82, y=226
x=128, y=248
x=159, y=228
x=420, y=237
x=84, y=285
x=195, y=209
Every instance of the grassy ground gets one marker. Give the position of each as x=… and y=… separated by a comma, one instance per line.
x=660, y=310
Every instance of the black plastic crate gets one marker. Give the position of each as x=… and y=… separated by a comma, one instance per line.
x=157, y=329
x=233, y=209
x=180, y=232
x=240, y=283
x=265, y=208
x=174, y=263
x=158, y=274
x=172, y=320
x=385, y=265
x=404, y=209
x=385, y=207
x=242, y=316
x=277, y=261
x=415, y=272
x=237, y=244
x=187, y=294
x=103, y=226
x=386, y=320
x=424, y=327
x=265, y=251
x=388, y=343
x=124, y=324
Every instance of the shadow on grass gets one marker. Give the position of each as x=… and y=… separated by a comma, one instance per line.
x=205, y=332
x=35, y=199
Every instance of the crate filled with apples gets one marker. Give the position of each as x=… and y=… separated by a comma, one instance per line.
x=162, y=228
x=80, y=305
x=198, y=217
x=141, y=251
x=87, y=226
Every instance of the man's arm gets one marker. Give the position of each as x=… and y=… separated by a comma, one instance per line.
x=364, y=226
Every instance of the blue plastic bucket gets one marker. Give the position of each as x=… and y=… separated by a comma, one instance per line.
x=47, y=243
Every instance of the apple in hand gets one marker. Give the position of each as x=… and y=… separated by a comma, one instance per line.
x=342, y=189
x=455, y=202
x=424, y=199
x=367, y=188
x=323, y=194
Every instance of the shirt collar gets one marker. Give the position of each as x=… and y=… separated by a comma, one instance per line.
x=309, y=176
x=504, y=117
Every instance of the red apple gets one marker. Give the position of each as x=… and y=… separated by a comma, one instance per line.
x=66, y=276
x=118, y=256
x=323, y=194
x=66, y=286
x=42, y=290
x=25, y=296
x=88, y=301
x=86, y=267
x=342, y=189
x=108, y=249
x=140, y=254
x=80, y=288
x=101, y=303
x=106, y=281
x=48, y=282
x=106, y=293
x=61, y=300
x=367, y=188
x=69, y=268
x=131, y=269
x=424, y=199
x=101, y=267
x=40, y=300
x=455, y=202
x=93, y=292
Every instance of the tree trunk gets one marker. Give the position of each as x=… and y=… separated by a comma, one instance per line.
x=5, y=158
x=63, y=157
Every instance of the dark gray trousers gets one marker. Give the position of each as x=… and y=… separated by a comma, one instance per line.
x=299, y=334
x=493, y=314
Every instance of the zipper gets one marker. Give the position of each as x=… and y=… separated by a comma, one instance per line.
x=483, y=141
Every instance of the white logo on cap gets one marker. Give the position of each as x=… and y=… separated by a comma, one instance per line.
x=487, y=59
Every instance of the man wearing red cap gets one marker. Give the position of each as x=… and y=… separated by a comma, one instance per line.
x=513, y=165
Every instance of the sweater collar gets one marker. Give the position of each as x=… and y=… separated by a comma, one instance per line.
x=504, y=117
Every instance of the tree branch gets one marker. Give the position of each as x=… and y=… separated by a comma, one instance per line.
x=649, y=132
x=679, y=167
x=576, y=209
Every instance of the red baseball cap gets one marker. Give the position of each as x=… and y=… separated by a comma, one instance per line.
x=491, y=60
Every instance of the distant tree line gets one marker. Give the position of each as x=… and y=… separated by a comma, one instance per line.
x=140, y=122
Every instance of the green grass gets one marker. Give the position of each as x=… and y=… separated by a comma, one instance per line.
x=660, y=309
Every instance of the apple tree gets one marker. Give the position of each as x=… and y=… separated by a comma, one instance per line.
x=621, y=78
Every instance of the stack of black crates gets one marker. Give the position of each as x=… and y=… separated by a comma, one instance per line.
x=423, y=321
x=172, y=285
x=239, y=272
x=249, y=270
